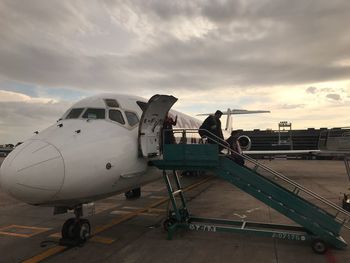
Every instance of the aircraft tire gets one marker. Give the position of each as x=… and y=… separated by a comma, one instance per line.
x=68, y=229
x=78, y=231
x=84, y=230
x=133, y=193
x=136, y=192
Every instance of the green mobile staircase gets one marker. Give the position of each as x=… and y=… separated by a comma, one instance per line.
x=322, y=226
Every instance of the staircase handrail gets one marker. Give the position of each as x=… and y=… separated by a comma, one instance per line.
x=226, y=146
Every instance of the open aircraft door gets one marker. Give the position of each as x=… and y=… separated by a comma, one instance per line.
x=151, y=123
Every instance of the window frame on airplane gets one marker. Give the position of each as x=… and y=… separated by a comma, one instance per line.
x=121, y=120
x=74, y=113
x=97, y=117
x=111, y=103
x=132, y=122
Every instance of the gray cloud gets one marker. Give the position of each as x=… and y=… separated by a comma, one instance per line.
x=20, y=119
x=334, y=96
x=152, y=46
x=291, y=106
x=265, y=43
x=311, y=90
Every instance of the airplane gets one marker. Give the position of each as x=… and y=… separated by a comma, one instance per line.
x=100, y=147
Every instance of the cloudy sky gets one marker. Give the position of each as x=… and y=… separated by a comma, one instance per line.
x=290, y=57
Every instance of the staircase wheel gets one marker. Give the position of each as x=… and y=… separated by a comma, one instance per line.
x=168, y=223
x=319, y=246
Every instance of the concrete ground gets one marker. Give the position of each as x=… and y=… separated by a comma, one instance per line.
x=131, y=231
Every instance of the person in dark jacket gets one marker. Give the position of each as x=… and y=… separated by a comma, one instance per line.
x=212, y=124
x=168, y=124
x=236, y=155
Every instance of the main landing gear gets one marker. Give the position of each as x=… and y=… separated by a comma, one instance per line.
x=133, y=193
x=75, y=231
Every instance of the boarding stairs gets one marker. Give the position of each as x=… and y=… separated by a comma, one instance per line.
x=319, y=220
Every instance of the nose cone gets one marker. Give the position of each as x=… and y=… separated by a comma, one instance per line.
x=33, y=172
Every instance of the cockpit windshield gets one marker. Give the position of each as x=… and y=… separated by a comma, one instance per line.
x=92, y=113
x=132, y=118
x=116, y=115
x=74, y=113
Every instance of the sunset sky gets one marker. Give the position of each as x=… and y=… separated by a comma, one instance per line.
x=289, y=57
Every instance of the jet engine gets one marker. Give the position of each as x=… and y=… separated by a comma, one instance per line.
x=245, y=142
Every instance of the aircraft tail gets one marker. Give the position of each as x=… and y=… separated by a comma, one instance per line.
x=230, y=112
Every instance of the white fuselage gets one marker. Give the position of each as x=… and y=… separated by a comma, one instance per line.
x=80, y=160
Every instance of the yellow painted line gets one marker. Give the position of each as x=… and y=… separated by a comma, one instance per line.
x=57, y=249
x=149, y=214
x=102, y=240
x=126, y=217
x=156, y=210
x=131, y=208
x=37, y=230
x=56, y=235
x=5, y=227
x=97, y=239
x=14, y=234
x=48, y=253
x=160, y=197
x=31, y=227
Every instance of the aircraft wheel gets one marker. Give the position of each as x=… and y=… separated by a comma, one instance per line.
x=68, y=229
x=84, y=230
x=76, y=230
x=134, y=193
x=319, y=246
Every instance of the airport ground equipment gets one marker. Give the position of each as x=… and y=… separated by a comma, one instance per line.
x=320, y=221
x=346, y=199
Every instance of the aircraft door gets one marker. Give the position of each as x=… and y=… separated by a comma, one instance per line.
x=151, y=123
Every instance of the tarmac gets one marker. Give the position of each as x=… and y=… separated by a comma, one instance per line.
x=131, y=230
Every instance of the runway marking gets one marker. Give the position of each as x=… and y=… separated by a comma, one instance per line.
x=102, y=240
x=131, y=207
x=56, y=235
x=22, y=231
x=155, y=210
x=13, y=234
x=48, y=253
x=143, y=210
x=97, y=239
x=58, y=249
x=149, y=214
x=240, y=216
x=156, y=197
x=253, y=209
x=100, y=208
x=119, y=212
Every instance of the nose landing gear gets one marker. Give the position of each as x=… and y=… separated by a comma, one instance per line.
x=75, y=231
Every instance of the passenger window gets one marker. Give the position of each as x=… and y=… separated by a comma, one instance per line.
x=94, y=114
x=116, y=115
x=74, y=113
x=132, y=118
